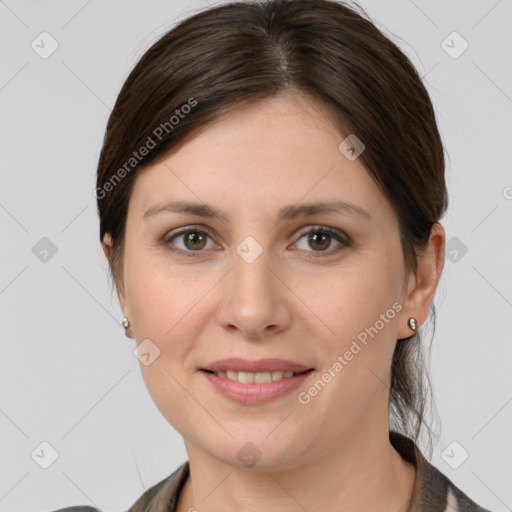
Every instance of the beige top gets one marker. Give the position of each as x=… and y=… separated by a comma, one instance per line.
x=433, y=491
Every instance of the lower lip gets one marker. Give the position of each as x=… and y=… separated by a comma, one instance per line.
x=252, y=394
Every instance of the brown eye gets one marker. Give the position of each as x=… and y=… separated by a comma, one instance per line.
x=320, y=239
x=188, y=241
x=194, y=240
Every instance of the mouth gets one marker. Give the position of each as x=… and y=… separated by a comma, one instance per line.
x=256, y=377
x=255, y=388
x=257, y=381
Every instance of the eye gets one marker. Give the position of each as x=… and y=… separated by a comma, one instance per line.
x=320, y=238
x=194, y=240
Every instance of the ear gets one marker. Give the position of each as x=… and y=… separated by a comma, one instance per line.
x=108, y=251
x=423, y=283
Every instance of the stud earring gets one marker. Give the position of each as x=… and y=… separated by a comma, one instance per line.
x=126, y=324
x=412, y=323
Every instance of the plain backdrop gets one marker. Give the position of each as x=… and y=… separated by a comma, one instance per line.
x=68, y=377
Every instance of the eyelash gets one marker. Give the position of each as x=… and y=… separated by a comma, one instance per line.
x=340, y=237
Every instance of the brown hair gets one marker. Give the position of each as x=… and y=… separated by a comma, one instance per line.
x=237, y=53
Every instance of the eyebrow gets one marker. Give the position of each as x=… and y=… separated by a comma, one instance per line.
x=285, y=213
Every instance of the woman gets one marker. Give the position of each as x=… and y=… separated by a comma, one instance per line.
x=269, y=190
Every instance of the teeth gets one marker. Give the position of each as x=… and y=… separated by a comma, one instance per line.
x=258, y=377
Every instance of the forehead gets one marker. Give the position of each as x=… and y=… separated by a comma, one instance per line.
x=279, y=151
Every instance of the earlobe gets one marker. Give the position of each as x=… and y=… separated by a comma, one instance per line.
x=107, y=247
x=108, y=251
x=423, y=284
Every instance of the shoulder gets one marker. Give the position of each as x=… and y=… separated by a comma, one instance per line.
x=457, y=500
x=157, y=498
x=163, y=496
x=447, y=493
x=433, y=491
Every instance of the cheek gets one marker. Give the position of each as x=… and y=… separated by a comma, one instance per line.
x=157, y=294
x=164, y=314
x=167, y=306
x=362, y=310
x=152, y=305
x=167, y=388
x=351, y=303
x=363, y=313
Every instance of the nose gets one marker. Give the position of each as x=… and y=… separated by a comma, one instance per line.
x=254, y=299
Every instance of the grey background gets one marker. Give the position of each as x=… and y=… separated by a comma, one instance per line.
x=67, y=372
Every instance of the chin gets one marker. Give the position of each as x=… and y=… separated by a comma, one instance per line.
x=255, y=451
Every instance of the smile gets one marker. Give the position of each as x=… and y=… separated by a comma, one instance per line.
x=258, y=377
x=248, y=388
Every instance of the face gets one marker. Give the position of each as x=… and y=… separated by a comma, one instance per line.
x=250, y=283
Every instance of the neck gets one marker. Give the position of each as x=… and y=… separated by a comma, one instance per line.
x=365, y=474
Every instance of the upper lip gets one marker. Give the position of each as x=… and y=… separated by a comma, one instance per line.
x=238, y=364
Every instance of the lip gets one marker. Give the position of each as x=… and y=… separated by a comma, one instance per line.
x=256, y=393
x=237, y=364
